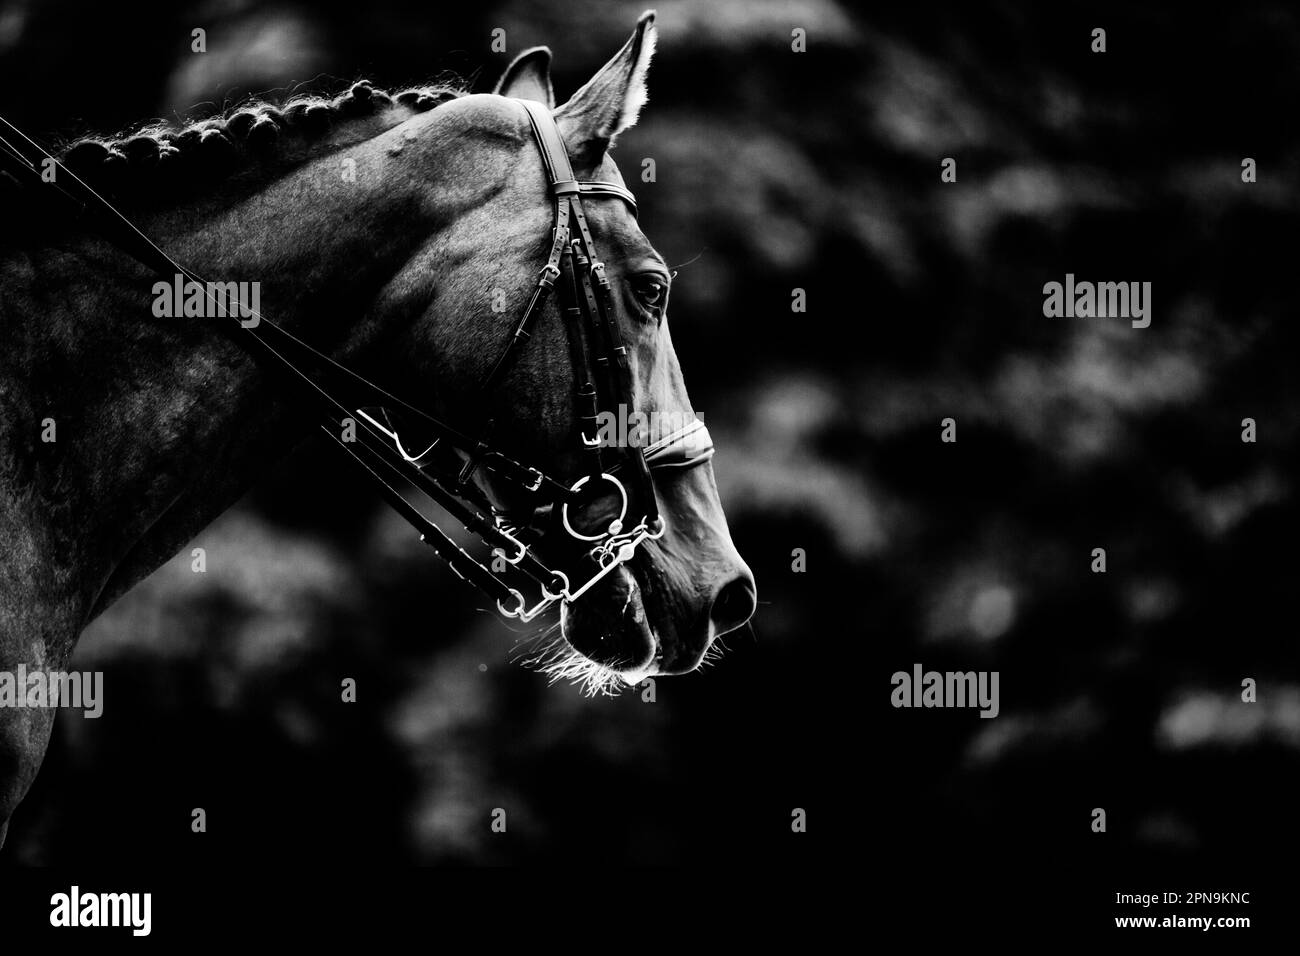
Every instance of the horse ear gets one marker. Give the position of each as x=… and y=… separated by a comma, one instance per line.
x=529, y=77
x=611, y=100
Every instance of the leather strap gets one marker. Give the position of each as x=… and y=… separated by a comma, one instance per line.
x=555, y=157
x=611, y=354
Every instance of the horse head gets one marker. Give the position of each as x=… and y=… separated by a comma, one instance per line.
x=660, y=612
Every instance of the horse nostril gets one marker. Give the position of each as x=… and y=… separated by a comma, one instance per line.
x=734, y=605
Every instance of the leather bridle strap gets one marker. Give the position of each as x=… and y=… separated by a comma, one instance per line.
x=563, y=186
x=555, y=157
x=606, y=344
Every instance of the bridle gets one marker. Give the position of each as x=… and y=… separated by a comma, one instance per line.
x=601, y=374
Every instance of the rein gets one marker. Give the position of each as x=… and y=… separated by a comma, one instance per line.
x=600, y=370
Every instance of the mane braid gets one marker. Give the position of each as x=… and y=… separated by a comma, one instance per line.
x=165, y=163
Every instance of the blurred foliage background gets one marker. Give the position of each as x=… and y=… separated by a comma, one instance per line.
x=777, y=171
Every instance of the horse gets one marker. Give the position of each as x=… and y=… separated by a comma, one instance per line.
x=397, y=233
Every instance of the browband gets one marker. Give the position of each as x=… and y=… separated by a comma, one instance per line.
x=555, y=157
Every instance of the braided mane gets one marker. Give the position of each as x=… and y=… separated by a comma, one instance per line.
x=164, y=162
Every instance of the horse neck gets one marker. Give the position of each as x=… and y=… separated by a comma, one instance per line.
x=161, y=423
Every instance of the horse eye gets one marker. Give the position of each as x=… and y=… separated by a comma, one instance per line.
x=650, y=290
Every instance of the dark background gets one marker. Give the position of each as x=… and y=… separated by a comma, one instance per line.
x=779, y=170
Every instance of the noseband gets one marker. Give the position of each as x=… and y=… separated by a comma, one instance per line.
x=601, y=374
